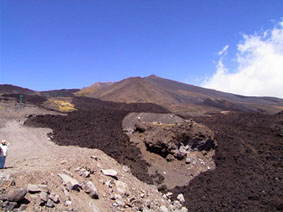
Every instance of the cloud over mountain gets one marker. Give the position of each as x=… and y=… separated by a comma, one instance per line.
x=259, y=70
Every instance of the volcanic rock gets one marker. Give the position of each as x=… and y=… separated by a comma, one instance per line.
x=90, y=189
x=33, y=188
x=50, y=204
x=54, y=197
x=44, y=196
x=177, y=139
x=16, y=195
x=109, y=172
x=9, y=206
x=181, y=198
x=72, y=183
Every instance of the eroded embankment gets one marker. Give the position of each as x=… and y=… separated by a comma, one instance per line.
x=249, y=166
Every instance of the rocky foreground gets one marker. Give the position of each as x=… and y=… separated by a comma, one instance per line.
x=90, y=187
x=91, y=161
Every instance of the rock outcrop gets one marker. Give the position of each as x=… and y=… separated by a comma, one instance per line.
x=177, y=139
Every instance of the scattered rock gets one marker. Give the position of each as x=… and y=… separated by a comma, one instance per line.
x=181, y=198
x=4, y=177
x=72, y=183
x=94, y=157
x=33, y=188
x=90, y=189
x=43, y=196
x=84, y=173
x=54, y=197
x=116, y=196
x=50, y=204
x=120, y=203
x=169, y=194
x=170, y=157
x=10, y=206
x=68, y=203
x=109, y=172
x=16, y=195
x=109, y=183
x=188, y=160
x=177, y=204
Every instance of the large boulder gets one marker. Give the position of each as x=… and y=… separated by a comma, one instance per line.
x=16, y=195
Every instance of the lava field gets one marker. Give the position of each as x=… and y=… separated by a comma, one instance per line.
x=248, y=174
x=98, y=124
x=249, y=166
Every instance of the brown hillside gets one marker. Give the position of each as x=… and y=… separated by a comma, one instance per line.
x=179, y=97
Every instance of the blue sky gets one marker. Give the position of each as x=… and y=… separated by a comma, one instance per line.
x=71, y=44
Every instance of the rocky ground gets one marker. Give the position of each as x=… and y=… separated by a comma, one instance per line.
x=170, y=144
x=249, y=165
x=108, y=156
x=42, y=176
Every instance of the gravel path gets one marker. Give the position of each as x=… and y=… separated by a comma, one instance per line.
x=30, y=148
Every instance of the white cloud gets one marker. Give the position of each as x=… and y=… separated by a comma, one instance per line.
x=259, y=69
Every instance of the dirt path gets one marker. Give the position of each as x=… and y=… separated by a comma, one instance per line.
x=34, y=159
x=30, y=148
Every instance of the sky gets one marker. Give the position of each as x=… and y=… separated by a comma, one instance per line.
x=71, y=44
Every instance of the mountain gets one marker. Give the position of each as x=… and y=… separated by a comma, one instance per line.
x=179, y=97
x=12, y=89
x=59, y=93
x=93, y=88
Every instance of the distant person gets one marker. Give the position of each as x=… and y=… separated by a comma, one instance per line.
x=3, y=153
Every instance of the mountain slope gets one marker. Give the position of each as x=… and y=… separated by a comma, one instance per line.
x=12, y=89
x=180, y=97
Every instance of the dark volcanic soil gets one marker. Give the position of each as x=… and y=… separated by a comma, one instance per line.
x=249, y=166
x=98, y=124
x=26, y=98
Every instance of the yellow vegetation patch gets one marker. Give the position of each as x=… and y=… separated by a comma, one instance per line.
x=63, y=106
x=162, y=124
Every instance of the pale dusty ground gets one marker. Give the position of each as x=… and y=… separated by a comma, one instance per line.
x=33, y=158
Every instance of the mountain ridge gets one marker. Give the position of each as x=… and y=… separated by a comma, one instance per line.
x=178, y=97
x=173, y=94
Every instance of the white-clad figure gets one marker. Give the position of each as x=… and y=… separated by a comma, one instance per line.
x=3, y=153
